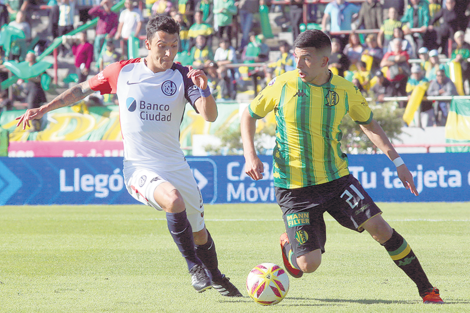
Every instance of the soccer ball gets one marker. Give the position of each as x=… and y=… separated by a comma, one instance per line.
x=267, y=284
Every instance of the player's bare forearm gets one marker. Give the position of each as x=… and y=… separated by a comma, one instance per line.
x=378, y=137
x=253, y=165
x=207, y=107
x=68, y=97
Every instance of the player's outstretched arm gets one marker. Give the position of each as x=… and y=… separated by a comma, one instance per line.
x=378, y=137
x=205, y=105
x=253, y=165
x=68, y=97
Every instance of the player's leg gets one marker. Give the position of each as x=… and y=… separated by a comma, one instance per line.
x=205, y=246
x=150, y=188
x=303, y=242
x=403, y=256
x=356, y=210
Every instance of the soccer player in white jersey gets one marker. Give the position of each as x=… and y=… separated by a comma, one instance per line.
x=152, y=94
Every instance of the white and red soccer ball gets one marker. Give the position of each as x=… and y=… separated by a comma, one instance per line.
x=267, y=284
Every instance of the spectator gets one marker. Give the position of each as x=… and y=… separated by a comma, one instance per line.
x=361, y=78
x=4, y=17
x=107, y=25
x=54, y=14
x=423, y=55
x=6, y=104
x=66, y=15
x=353, y=50
x=109, y=56
x=83, y=7
x=224, y=10
x=161, y=7
x=295, y=16
x=434, y=65
x=370, y=15
x=382, y=88
x=199, y=28
x=442, y=86
x=201, y=53
x=461, y=53
x=386, y=30
x=398, y=5
x=246, y=10
x=130, y=23
x=15, y=6
x=256, y=51
x=338, y=61
x=434, y=7
x=285, y=63
x=225, y=55
x=35, y=95
x=461, y=9
x=339, y=16
x=218, y=82
x=417, y=16
x=374, y=51
x=448, y=27
x=83, y=57
x=417, y=79
x=405, y=44
x=21, y=24
x=184, y=33
x=207, y=8
x=398, y=67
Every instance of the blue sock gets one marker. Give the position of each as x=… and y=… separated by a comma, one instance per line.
x=182, y=234
x=208, y=256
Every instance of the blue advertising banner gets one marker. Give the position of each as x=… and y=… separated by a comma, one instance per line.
x=222, y=179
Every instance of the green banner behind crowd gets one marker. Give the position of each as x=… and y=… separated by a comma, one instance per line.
x=458, y=125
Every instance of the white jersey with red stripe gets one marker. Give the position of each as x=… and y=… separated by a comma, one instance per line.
x=151, y=108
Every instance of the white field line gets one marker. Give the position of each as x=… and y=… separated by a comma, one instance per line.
x=326, y=219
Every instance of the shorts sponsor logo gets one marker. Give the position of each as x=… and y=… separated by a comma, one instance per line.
x=298, y=219
x=301, y=236
x=168, y=88
x=142, y=180
x=131, y=104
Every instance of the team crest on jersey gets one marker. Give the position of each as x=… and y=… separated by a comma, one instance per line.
x=131, y=104
x=168, y=88
x=331, y=98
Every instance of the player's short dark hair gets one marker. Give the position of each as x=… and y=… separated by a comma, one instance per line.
x=161, y=23
x=313, y=39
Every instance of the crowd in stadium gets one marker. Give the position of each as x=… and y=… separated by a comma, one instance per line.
x=217, y=33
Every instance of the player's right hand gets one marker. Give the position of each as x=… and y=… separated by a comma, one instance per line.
x=254, y=168
x=29, y=115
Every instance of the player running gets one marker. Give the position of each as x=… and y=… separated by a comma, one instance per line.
x=311, y=173
x=152, y=94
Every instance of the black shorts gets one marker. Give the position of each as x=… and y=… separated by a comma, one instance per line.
x=302, y=210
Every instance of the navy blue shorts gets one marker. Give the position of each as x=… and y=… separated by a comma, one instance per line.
x=344, y=199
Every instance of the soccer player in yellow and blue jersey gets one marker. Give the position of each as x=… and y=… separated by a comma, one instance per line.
x=311, y=173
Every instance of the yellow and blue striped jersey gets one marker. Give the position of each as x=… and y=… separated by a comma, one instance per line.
x=308, y=117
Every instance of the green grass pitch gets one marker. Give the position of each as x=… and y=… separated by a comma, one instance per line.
x=122, y=259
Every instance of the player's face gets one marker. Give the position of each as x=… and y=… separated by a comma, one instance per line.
x=163, y=48
x=310, y=64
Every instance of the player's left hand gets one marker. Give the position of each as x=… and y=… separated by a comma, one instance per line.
x=198, y=77
x=407, y=179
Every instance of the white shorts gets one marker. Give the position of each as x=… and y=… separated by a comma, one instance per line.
x=141, y=183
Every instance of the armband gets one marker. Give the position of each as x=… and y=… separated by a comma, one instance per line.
x=205, y=92
x=398, y=161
